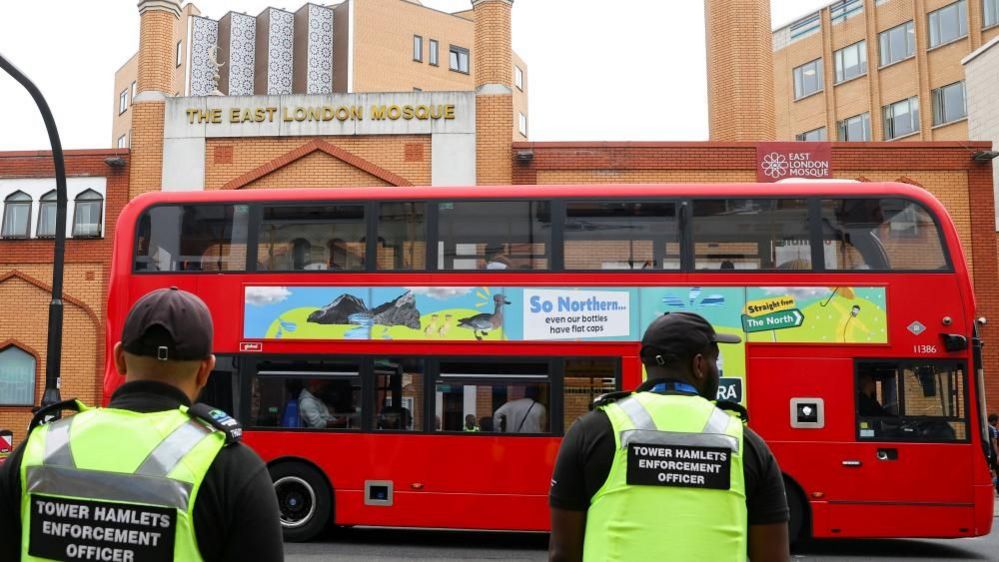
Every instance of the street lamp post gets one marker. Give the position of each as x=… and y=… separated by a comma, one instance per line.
x=54, y=354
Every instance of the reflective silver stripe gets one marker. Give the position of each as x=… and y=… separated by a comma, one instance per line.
x=652, y=437
x=57, y=451
x=168, y=453
x=109, y=486
x=718, y=422
x=640, y=417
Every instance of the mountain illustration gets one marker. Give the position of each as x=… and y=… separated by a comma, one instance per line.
x=338, y=311
x=400, y=311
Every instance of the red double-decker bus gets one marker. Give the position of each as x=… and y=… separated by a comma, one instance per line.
x=411, y=357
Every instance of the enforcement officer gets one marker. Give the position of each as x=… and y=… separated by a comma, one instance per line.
x=665, y=474
x=150, y=478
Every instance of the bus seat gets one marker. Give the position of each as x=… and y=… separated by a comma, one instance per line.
x=290, y=416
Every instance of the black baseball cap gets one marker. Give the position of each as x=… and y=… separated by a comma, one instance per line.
x=679, y=334
x=170, y=325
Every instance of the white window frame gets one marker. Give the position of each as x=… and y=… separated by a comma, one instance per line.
x=957, y=10
x=522, y=124
x=839, y=57
x=123, y=101
x=9, y=203
x=909, y=29
x=888, y=121
x=434, y=54
x=518, y=78
x=4, y=401
x=76, y=213
x=455, y=54
x=939, y=113
x=46, y=200
x=417, y=48
x=990, y=13
x=797, y=77
x=180, y=52
x=865, y=125
x=820, y=131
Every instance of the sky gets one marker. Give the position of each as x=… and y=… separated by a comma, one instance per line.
x=635, y=72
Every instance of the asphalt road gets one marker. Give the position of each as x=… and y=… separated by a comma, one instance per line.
x=378, y=545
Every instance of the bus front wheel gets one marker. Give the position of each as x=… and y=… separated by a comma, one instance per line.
x=305, y=500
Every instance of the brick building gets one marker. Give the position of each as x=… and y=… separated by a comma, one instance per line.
x=373, y=46
x=459, y=137
x=97, y=186
x=862, y=70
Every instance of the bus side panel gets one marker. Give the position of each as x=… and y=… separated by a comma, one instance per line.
x=455, y=481
x=871, y=520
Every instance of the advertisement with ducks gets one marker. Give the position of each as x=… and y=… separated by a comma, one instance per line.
x=812, y=315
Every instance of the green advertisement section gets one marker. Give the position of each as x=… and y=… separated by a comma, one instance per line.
x=812, y=315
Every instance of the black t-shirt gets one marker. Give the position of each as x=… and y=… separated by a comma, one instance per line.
x=584, y=462
x=235, y=512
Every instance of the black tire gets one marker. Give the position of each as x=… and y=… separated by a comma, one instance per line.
x=799, y=527
x=305, y=500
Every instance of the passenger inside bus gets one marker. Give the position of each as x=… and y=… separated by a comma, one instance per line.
x=867, y=399
x=314, y=403
x=394, y=417
x=496, y=258
x=523, y=415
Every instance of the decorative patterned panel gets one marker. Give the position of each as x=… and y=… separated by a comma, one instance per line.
x=242, y=45
x=320, y=67
x=204, y=37
x=280, y=46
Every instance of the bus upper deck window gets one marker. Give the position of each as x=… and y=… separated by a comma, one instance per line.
x=880, y=234
x=192, y=238
x=311, y=238
x=752, y=234
x=622, y=235
x=495, y=235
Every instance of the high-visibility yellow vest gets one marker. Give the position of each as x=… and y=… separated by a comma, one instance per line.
x=676, y=488
x=113, y=485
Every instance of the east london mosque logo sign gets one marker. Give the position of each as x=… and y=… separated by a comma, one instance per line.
x=781, y=160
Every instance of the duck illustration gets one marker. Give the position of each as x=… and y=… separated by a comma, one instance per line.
x=484, y=323
x=446, y=326
x=432, y=326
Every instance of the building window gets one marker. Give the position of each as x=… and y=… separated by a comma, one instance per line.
x=417, y=48
x=990, y=13
x=845, y=9
x=806, y=26
x=17, y=377
x=522, y=124
x=87, y=216
x=16, y=216
x=47, y=215
x=901, y=118
x=808, y=79
x=856, y=128
x=949, y=103
x=434, y=54
x=851, y=61
x=123, y=101
x=121, y=141
x=813, y=135
x=898, y=43
x=518, y=77
x=949, y=23
x=458, y=59
x=135, y=86
x=179, y=52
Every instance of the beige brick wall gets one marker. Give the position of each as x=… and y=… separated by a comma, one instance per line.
x=156, y=49
x=520, y=100
x=318, y=169
x=494, y=54
x=147, y=148
x=121, y=123
x=383, y=47
x=740, y=63
x=493, y=117
x=929, y=69
x=82, y=334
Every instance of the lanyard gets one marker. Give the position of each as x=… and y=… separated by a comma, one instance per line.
x=674, y=387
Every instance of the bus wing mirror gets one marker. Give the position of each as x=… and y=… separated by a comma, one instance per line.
x=954, y=342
